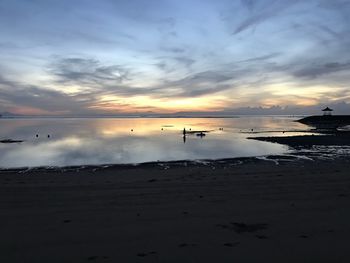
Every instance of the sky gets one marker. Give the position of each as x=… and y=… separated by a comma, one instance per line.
x=87, y=57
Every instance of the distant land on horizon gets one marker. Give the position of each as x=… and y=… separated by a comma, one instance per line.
x=341, y=108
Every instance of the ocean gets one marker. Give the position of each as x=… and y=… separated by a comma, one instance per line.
x=98, y=141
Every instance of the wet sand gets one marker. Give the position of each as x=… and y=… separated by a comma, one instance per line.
x=329, y=139
x=243, y=210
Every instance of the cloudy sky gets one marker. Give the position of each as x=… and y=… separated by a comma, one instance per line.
x=128, y=56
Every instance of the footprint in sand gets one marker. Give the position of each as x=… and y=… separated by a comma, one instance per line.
x=223, y=226
x=261, y=236
x=143, y=254
x=187, y=245
x=91, y=258
x=243, y=227
x=231, y=244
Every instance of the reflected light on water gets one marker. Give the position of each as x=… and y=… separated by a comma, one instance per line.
x=107, y=141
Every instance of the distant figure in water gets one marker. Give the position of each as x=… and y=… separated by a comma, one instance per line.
x=37, y=135
x=132, y=129
x=184, y=135
x=48, y=136
x=162, y=128
x=201, y=134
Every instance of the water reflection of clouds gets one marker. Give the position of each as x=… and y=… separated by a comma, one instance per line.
x=78, y=151
x=106, y=141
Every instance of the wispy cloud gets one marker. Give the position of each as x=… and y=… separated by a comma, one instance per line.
x=202, y=83
x=261, y=58
x=19, y=95
x=250, y=4
x=87, y=71
x=268, y=10
x=313, y=71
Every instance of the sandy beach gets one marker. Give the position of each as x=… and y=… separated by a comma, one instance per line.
x=240, y=210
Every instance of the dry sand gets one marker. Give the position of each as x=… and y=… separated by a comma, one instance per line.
x=256, y=211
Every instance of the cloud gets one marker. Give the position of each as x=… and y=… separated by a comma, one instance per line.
x=269, y=10
x=187, y=61
x=86, y=71
x=96, y=78
x=329, y=31
x=174, y=49
x=44, y=100
x=202, y=83
x=175, y=63
x=249, y=4
x=9, y=46
x=314, y=71
x=261, y=58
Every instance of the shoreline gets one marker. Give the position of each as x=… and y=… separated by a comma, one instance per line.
x=286, y=157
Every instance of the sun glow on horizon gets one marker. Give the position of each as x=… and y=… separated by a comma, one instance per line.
x=165, y=105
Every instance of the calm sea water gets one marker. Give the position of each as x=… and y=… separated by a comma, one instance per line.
x=118, y=140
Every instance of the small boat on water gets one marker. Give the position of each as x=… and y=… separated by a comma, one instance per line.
x=201, y=134
x=327, y=121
